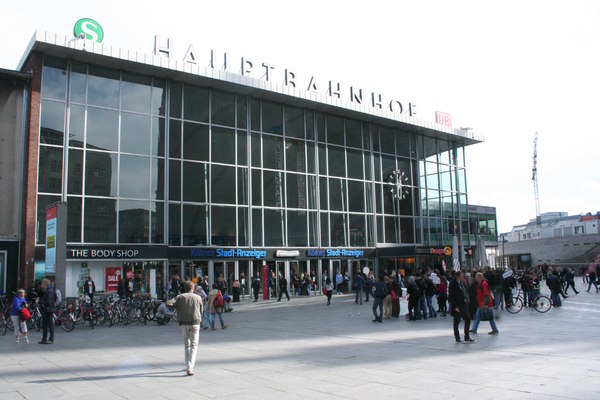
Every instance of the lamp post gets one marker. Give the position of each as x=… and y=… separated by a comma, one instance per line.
x=503, y=254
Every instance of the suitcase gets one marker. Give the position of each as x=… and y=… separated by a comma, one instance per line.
x=396, y=307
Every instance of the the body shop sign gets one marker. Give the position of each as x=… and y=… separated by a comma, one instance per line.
x=51, y=240
x=113, y=275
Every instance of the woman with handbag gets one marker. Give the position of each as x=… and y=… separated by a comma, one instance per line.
x=328, y=289
x=19, y=304
x=485, y=305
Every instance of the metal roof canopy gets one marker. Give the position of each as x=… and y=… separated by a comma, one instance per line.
x=86, y=51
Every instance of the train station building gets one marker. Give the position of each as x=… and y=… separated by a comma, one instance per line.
x=168, y=165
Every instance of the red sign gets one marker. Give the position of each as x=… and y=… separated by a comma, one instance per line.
x=439, y=252
x=129, y=274
x=113, y=275
x=266, y=287
x=443, y=119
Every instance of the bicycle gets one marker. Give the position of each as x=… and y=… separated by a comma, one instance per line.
x=541, y=303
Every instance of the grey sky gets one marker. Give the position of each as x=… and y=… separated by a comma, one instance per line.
x=506, y=69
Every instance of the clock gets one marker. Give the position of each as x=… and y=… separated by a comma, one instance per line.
x=399, y=182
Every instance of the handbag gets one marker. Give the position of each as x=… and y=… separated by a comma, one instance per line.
x=325, y=291
x=25, y=314
x=486, y=314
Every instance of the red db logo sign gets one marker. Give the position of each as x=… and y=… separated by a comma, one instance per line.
x=443, y=119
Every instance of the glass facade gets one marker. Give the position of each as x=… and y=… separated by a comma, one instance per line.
x=142, y=160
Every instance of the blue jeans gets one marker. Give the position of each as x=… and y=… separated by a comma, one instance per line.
x=477, y=321
x=432, y=313
x=555, y=299
x=212, y=320
x=422, y=307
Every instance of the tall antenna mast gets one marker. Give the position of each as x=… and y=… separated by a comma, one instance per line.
x=534, y=178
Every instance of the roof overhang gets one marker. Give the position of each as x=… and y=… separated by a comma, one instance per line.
x=87, y=51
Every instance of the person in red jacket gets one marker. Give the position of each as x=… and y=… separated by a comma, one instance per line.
x=484, y=300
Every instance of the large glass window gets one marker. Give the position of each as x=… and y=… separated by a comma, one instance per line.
x=296, y=190
x=175, y=224
x=135, y=133
x=324, y=229
x=101, y=174
x=275, y=224
x=50, y=169
x=272, y=118
x=174, y=180
x=223, y=145
x=243, y=226
x=52, y=124
x=195, y=225
x=54, y=79
x=297, y=234
x=272, y=152
x=102, y=129
x=134, y=221
x=337, y=161
x=136, y=93
x=353, y=133
x=74, y=219
x=294, y=122
x=294, y=152
x=43, y=202
x=134, y=177
x=222, y=108
x=195, y=141
x=157, y=179
x=335, y=130
x=100, y=220
x=159, y=97
x=195, y=177
x=75, y=178
x=223, y=226
x=76, y=125
x=339, y=236
x=222, y=184
x=242, y=148
x=195, y=103
x=78, y=82
x=337, y=194
x=273, y=189
x=356, y=196
x=355, y=164
x=257, y=232
x=103, y=87
x=358, y=235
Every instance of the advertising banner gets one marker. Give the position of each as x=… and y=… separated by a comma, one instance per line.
x=113, y=275
x=51, y=240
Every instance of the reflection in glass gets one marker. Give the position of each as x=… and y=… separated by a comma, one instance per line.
x=297, y=236
x=353, y=133
x=174, y=138
x=195, y=103
x=391, y=230
x=135, y=93
x=337, y=194
x=43, y=202
x=195, y=225
x=242, y=186
x=100, y=174
x=242, y=112
x=296, y=190
x=100, y=220
x=159, y=97
x=74, y=219
x=356, y=196
x=257, y=239
x=174, y=180
x=102, y=129
x=312, y=192
x=223, y=145
x=324, y=229
x=313, y=228
x=387, y=139
x=272, y=152
x=242, y=148
x=157, y=222
x=175, y=89
x=134, y=221
x=195, y=141
x=402, y=143
x=294, y=154
x=75, y=172
x=323, y=191
x=174, y=224
x=76, y=125
x=50, y=169
x=335, y=130
x=273, y=188
x=357, y=230
x=243, y=239
x=103, y=87
x=275, y=221
x=355, y=164
x=310, y=157
x=54, y=79
x=294, y=122
x=256, y=187
x=337, y=161
x=78, y=80
x=134, y=179
x=222, y=108
x=272, y=118
x=157, y=145
x=222, y=184
x=135, y=133
x=223, y=226
x=157, y=179
x=52, y=124
x=195, y=185
x=339, y=236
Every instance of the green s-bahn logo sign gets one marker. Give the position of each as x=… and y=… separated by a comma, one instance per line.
x=89, y=29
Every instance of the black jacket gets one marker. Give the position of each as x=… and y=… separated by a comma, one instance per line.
x=456, y=298
x=86, y=287
x=48, y=300
x=429, y=288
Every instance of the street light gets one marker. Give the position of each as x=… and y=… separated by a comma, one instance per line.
x=503, y=254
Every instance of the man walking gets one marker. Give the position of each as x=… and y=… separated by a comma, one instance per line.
x=256, y=286
x=189, y=314
x=459, y=301
x=380, y=291
x=359, y=281
x=570, y=281
x=47, y=302
x=283, y=288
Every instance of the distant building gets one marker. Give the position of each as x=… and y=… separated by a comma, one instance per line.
x=560, y=239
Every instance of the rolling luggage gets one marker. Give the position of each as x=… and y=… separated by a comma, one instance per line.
x=395, y=307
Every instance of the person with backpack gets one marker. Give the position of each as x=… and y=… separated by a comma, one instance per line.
x=215, y=306
x=19, y=303
x=380, y=292
x=189, y=314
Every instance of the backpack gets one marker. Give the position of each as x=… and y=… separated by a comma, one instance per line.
x=380, y=291
x=218, y=301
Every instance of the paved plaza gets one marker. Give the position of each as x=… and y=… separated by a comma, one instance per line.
x=303, y=349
